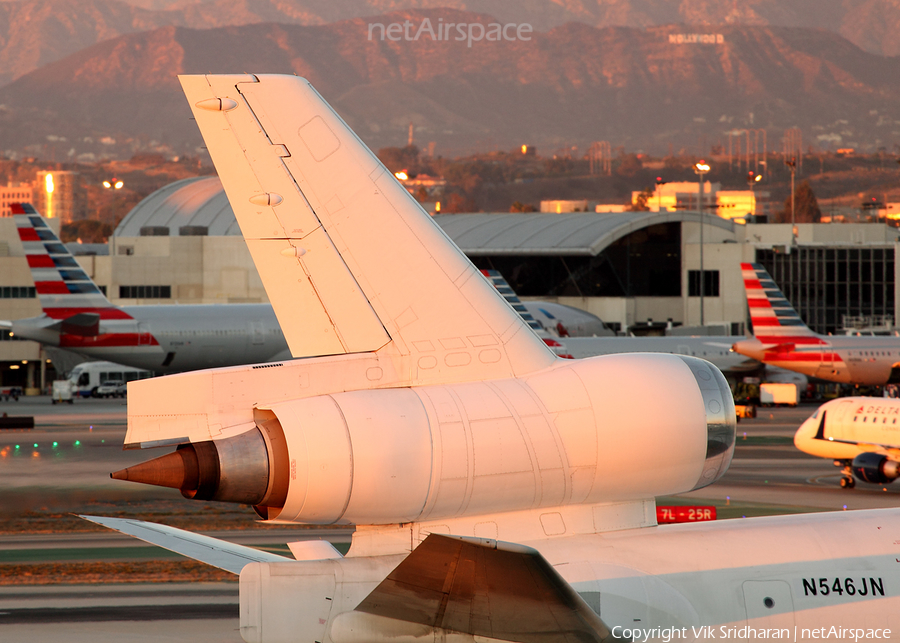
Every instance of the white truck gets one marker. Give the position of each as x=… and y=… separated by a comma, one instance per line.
x=779, y=393
x=62, y=391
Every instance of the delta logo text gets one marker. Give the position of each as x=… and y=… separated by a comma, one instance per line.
x=467, y=32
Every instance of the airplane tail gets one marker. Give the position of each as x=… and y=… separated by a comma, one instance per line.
x=322, y=218
x=63, y=288
x=73, y=305
x=771, y=313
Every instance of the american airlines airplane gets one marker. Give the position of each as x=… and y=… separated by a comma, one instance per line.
x=782, y=339
x=500, y=493
x=161, y=338
x=712, y=348
x=861, y=435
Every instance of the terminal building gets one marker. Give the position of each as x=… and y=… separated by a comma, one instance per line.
x=182, y=244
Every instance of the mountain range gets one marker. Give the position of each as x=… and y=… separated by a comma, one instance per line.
x=36, y=32
x=571, y=85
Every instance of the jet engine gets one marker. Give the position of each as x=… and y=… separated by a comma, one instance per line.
x=577, y=433
x=875, y=468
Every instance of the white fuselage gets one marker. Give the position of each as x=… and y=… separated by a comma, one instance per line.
x=866, y=361
x=781, y=577
x=843, y=428
x=173, y=338
x=713, y=349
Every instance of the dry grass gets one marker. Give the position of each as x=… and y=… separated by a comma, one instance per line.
x=111, y=572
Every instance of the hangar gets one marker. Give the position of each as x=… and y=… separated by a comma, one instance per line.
x=182, y=244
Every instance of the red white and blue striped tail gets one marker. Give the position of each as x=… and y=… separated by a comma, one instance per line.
x=771, y=314
x=64, y=290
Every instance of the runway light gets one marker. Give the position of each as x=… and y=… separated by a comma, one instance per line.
x=35, y=445
x=17, y=447
x=77, y=443
x=55, y=444
x=845, y=507
x=35, y=454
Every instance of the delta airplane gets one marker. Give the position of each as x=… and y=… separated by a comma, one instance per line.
x=861, y=434
x=782, y=339
x=500, y=493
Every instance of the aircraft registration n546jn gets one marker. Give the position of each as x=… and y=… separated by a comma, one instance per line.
x=782, y=339
x=499, y=492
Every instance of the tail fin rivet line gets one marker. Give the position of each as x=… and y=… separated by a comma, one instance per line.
x=268, y=198
x=218, y=104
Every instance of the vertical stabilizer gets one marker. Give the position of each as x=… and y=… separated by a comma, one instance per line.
x=349, y=259
x=772, y=316
x=63, y=288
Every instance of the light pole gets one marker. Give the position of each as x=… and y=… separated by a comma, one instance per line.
x=752, y=180
x=793, y=165
x=701, y=169
x=110, y=184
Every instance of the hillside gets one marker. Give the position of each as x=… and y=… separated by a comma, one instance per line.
x=36, y=32
x=569, y=86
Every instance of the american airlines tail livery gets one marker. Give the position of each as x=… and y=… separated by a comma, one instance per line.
x=782, y=339
x=500, y=493
x=166, y=339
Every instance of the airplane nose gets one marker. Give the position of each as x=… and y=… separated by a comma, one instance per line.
x=807, y=431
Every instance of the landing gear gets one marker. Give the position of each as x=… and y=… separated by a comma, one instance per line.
x=847, y=479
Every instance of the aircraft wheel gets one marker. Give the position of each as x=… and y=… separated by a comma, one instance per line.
x=847, y=483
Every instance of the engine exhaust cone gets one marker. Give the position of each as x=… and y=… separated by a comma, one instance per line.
x=177, y=470
x=231, y=470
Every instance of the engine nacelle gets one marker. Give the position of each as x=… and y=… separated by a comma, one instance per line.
x=875, y=468
x=608, y=429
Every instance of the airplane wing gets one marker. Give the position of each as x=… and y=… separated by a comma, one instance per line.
x=212, y=551
x=321, y=216
x=485, y=588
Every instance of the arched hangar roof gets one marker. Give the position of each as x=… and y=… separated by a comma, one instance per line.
x=197, y=201
x=201, y=201
x=576, y=233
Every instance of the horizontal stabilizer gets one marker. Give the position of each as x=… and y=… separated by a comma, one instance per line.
x=212, y=551
x=485, y=588
x=314, y=550
x=82, y=324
